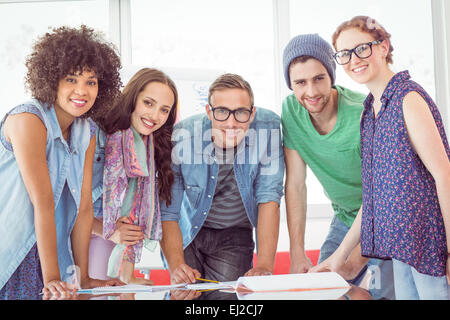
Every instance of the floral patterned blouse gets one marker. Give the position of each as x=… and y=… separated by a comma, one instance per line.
x=401, y=216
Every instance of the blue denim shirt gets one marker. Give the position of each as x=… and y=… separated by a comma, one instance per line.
x=258, y=167
x=65, y=164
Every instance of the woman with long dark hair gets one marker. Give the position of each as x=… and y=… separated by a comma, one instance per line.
x=136, y=173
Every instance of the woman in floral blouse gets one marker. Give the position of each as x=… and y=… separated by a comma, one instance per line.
x=405, y=168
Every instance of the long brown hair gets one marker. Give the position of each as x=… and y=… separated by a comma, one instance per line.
x=119, y=118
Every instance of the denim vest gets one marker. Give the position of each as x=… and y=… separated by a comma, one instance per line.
x=258, y=168
x=97, y=174
x=65, y=164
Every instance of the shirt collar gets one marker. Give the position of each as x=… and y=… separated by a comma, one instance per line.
x=390, y=88
x=77, y=130
x=54, y=124
x=393, y=84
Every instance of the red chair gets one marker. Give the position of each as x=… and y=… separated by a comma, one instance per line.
x=283, y=260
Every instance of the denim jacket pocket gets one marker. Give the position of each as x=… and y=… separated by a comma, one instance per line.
x=193, y=195
x=97, y=168
x=97, y=180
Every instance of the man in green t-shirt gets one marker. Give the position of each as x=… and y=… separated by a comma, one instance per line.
x=321, y=130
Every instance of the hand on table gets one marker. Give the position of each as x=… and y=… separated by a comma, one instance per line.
x=301, y=265
x=258, y=271
x=348, y=269
x=93, y=283
x=60, y=290
x=184, y=274
x=57, y=289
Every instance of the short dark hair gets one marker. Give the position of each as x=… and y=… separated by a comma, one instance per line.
x=301, y=59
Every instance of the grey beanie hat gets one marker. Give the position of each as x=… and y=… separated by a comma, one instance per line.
x=309, y=45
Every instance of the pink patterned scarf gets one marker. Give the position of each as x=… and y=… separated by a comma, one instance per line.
x=122, y=154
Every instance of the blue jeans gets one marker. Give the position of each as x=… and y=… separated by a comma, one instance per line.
x=412, y=285
x=221, y=255
x=382, y=281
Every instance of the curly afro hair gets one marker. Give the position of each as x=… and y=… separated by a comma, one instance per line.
x=67, y=51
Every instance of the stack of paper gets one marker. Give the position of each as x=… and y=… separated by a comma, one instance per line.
x=305, y=286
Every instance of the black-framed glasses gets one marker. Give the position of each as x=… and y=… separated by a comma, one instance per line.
x=362, y=51
x=241, y=115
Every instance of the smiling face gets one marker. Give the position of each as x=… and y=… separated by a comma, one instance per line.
x=152, y=109
x=311, y=84
x=229, y=133
x=362, y=70
x=76, y=94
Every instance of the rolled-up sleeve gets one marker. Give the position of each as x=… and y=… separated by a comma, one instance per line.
x=172, y=212
x=269, y=181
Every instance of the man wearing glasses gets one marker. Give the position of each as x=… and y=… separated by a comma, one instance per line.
x=229, y=169
x=320, y=123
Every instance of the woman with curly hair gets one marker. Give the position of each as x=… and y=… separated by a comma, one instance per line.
x=136, y=146
x=46, y=153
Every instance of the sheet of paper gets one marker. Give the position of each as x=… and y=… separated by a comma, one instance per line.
x=134, y=288
x=330, y=294
x=129, y=288
x=211, y=286
x=305, y=286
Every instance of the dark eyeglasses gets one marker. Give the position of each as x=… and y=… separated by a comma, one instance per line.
x=362, y=51
x=241, y=115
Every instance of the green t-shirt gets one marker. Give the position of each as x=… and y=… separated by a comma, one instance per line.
x=334, y=158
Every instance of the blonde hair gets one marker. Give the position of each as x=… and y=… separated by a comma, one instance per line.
x=367, y=25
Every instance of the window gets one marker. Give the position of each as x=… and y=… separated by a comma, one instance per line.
x=413, y=43
x=233, y=36
x=201, y=39
x=23, y=23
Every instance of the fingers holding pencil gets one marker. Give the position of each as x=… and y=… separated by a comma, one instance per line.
x=184, y=274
